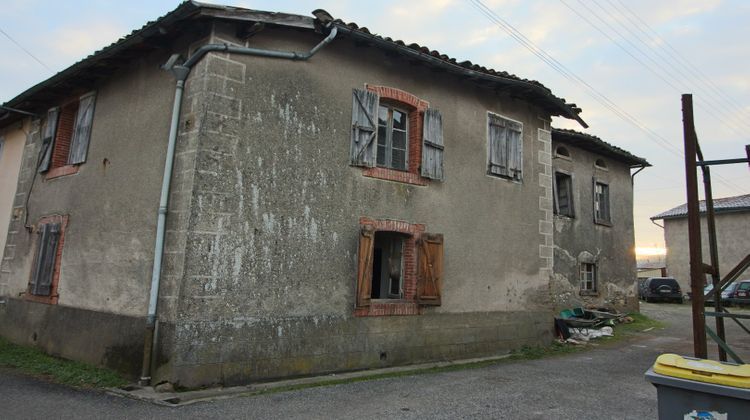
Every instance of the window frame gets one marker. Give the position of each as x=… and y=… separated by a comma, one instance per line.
x=59, y=161
x=598, y=219
x=584, y=282
x=489, y=164
x=556, y=189
x=390, y=107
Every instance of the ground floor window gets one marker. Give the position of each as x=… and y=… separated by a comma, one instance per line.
x=588, y=277
x=399, y=268
x=45, y=272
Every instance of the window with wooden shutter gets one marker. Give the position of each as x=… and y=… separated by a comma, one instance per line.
x=432, y=145
x=364, y=265
x=363, y=145
x=79, y=143
x=430, y=269
x=504, y=147
x=48, y=139
x=41, y=282
x=563, y=194
x=601, y=203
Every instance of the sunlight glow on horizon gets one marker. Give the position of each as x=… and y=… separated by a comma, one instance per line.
x=645, y=250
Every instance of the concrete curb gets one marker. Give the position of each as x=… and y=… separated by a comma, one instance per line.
x=178, y=399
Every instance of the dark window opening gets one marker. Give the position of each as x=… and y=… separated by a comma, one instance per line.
x=388, y=266
x=563, y=194
x=601, y=203
x=393, y=139
x=600, y=163
x=561, y=151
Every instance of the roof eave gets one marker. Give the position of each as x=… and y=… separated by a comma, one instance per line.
x=554, y=102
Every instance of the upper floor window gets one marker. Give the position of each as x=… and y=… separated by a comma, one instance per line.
x=600, y=164
x=396, y=136
x=601, y=203
x=504, y=147
x=66, y=135
x=562, y=152
x=563, y=194
x=393, y=139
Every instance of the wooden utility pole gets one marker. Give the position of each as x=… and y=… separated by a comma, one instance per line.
x=697, y=278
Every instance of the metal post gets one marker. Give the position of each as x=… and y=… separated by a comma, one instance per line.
x=714, y=254
x=697, y=278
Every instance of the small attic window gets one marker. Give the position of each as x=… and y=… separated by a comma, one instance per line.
x=562, y=152
x=601, y=164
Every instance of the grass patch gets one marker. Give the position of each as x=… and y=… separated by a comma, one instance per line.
x=36, y=363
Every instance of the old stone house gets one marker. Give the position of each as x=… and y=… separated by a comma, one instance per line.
x=732, y=233
x=337, y=201
x=594, y=262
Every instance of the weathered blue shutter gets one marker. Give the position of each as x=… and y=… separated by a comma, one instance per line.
x=364, y=128
x=432, y=145
x=515, y=149
x=49, y=237
x=498, y=145
x=48, y=139
x=79, y=144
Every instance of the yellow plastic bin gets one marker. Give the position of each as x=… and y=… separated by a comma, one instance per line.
x=689, y=388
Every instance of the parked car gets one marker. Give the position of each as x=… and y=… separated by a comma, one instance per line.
x=741, y=294
x=661, y=289
x=726, y=294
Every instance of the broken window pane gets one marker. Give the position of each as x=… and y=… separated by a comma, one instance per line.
x=393, y=138
x=564, y=194
x=387, y=268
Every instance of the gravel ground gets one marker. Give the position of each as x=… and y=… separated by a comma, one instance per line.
x=604, y=383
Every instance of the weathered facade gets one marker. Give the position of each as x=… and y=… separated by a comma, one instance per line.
x=12, y=141
x=594, y=238
x=732, y=234
x=350, y=211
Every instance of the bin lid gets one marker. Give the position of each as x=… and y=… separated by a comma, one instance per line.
x=701, y=370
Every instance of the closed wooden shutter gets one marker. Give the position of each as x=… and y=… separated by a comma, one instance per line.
x=364, y=265
x=430, y=269
x=432, y=145
x=498, y=145
x=364, y=128
x=49, y=237
x=48, y=139
x=79, y=144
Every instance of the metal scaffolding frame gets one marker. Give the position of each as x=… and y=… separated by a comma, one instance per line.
x=698, y=269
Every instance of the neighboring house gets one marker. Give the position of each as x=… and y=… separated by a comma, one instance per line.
x=12, y=141
x=732, y=237
x=376, y=204
x=593, y=225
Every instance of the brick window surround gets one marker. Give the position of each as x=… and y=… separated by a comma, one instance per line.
x=408, y=305
x=53, y=295
x=416, y=108
x=65, y=124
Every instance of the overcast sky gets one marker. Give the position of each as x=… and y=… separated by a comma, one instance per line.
x=636, y=56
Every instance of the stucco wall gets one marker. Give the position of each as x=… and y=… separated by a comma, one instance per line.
x=263, y=233
x=733, y=238
x=613, y=247
x=13, y=139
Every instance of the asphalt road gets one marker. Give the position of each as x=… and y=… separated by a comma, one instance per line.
x=604, y=383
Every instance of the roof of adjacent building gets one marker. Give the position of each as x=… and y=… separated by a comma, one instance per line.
x=102, y=63
x=596, y=145
x=739, y=203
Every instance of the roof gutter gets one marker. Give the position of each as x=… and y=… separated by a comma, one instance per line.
x=181, y=72
x=565, y=110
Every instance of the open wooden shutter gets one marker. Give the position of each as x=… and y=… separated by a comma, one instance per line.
x=515, y=149
x=430, y=269
x=432, y=145
x=364, y=128
x=364, y=265
x=48, y=139
x=79, y=144
x=498, y=145
x=49, y=237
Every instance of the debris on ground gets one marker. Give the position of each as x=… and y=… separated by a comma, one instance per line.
x=579, y=325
